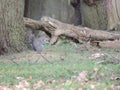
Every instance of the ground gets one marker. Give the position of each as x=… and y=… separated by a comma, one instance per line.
x=66, y=64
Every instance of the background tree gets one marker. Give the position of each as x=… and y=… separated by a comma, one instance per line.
x=94, y=16
x=104, y=15
x=58, y=9
x=77, y=8
x=12, y=32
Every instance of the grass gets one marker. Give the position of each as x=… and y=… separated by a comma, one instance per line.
x=61, y=70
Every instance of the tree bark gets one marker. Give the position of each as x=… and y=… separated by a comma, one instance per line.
x=57, y=28
x=12, y=31
x=106, y=44
x=113, y=11
x=77, y=8
x=106, y=14
x=58, y=9
x=94, y=14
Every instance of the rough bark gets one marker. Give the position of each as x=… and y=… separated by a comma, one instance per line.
x=57, y=28
x=113, y=11
x=106, y=14
x=58, y=9
x=94, y=14
x=11, y=26
x=106, y=44
x=77, y=8
x=26, y=7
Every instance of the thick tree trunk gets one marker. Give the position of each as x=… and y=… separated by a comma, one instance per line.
x=12, y=31
x=77, y=8
x=106, y=14
x=57, y=28
x=94, y=17
x=26, y=7
x=113, y=11
x=58, y=9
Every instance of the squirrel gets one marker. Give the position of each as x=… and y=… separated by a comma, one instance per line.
x=38, y=43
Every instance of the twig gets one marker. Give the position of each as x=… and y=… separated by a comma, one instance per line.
x=45, y=59
x=35, y=61
x=14, y=62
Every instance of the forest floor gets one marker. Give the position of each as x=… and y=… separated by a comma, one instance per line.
x=70, y=67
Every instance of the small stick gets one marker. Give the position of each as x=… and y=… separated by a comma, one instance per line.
x=45, y=59
x=14, y=62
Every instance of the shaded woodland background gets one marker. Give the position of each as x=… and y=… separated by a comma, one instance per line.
x=104, y=16
x=95, y=14
x=66, y=65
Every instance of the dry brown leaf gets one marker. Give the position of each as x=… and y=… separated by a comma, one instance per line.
x=113, y=87
x=39, y=84
x=96, y=55
x=82, y=78
x=51, y=81
x=92, y=86
x=62, y=57
x=68, y=82
x=73, y=78
x=22, y=85
x=80, y=88
x=4, y=88
x=61, y=89
x=47, y=88
x=30, y=78
x=19, y=78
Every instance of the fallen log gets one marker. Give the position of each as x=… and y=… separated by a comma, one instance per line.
x=106, y=44
x=57, y=28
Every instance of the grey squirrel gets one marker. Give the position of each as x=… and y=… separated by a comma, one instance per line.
x=38, y=43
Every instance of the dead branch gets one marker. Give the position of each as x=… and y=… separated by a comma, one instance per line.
x=57, y=28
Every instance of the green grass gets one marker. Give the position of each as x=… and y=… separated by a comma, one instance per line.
x=73, y=63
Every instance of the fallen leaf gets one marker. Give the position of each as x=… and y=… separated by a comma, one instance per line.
x=113, y=87
x=68, y=82
x=80, y=89
x=47, y=88
x=38, y=85
x=51, y=81
x=4, y=88
x=97, y=55
x=61, y=89
x=73, y=77
x=30, y=78
x=92, y=86
x=24, y=85
x=62, y=57
x=19, y=78
x=82, y=78
x=115, y=77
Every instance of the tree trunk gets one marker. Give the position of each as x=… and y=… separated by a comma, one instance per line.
x=12, y=31
x=94, y=17
x=113, y=11
x=58, y=9
x=105, y=16
x=77, y=8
